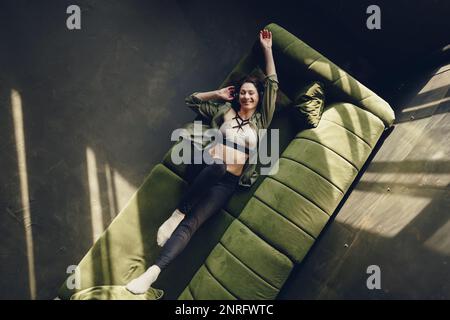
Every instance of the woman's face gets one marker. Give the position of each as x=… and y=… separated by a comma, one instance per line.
x=248, y=96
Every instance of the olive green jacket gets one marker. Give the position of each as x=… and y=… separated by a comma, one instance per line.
x=214, y=113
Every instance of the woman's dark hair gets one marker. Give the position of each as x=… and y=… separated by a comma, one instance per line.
x=257, y=82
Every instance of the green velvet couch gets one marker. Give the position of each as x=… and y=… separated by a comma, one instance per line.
x=248, y=250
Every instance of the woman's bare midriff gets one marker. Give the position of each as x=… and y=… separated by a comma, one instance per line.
x=235, y=164
x=234, y=159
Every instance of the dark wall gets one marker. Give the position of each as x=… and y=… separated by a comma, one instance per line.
x=117, y=87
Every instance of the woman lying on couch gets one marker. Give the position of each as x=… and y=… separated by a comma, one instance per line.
x=252, y=109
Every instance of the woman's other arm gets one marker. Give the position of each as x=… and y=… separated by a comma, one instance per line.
x=201, y=102
x=224, y=94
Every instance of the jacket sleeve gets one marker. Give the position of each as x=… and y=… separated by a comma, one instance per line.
x=205, y=108
x=269, y=99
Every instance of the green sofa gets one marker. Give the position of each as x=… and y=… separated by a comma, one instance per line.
x=248, y=250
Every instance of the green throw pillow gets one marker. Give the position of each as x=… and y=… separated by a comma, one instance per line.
x=309, y=104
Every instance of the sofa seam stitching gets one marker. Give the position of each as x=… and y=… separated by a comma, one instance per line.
x=191, y=292
x=345, y=74
x=275, y=246
x=246, y=266
x=284, y=217
x=301, y=195
x=314, y=171
x=325, y=146
x=314, y=203
x=315, y=60
x=220, y=283
x=263, y=239
x=285, y=49
x=350, y=132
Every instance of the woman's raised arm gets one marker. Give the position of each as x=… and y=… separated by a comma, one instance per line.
x=271, y=80
x=265, y=38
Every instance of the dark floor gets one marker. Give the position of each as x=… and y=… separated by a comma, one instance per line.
x=86, y=114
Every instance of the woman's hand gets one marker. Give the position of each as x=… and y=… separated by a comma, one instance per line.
x=226, y=93
x=265, y=38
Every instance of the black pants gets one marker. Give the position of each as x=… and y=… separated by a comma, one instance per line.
x=207, y=194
